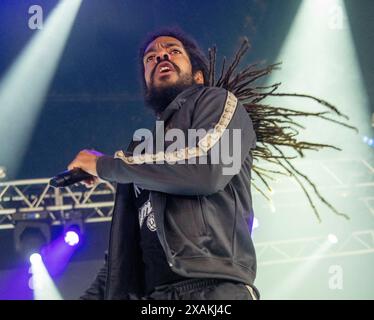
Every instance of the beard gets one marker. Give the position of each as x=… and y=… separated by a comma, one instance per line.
x=158, y=98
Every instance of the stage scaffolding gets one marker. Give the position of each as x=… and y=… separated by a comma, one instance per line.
x=96, y=205
x=37, y=196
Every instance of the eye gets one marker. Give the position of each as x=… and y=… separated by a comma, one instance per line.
x=174, y=51
x=150, y=58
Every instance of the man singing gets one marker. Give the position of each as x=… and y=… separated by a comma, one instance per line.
x=182, y=220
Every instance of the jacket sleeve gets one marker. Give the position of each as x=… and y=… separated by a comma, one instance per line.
x=215, y=111
x=97, y=289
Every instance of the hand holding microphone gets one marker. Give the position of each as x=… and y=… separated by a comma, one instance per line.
x=81, y=169
x=70, y=177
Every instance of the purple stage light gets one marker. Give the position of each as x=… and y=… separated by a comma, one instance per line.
x=35, y=258
x=71, y=238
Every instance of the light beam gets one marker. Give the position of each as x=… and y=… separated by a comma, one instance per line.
x=26, y=83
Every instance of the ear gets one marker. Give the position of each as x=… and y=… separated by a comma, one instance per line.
x=199, y=77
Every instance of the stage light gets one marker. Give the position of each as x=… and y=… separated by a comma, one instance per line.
x=71, y=238
x=31, y=233
x=41, y=282
x=26, y=83
x=35, y=258
x=332, y=238
x=73, y=227
x=369, y=141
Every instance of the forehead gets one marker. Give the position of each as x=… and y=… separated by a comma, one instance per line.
x=163, y=41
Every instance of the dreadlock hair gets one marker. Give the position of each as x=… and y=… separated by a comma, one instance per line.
x=198, y=60
x=275, y=127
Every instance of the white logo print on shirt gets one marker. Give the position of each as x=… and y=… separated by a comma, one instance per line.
x=145, y=212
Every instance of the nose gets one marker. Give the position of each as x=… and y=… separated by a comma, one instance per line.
x=164, y=55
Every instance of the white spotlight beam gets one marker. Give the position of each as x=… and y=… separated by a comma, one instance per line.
x=41, y=282
x=26, y=83
x=319, y=58
x=300, y=274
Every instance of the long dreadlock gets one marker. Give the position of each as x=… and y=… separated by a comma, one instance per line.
x=275, y=127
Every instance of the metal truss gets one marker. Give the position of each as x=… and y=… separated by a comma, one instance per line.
x=96, y=205
x=37, y=196
x=353, y=174
x=304, y=249
x=353, y=177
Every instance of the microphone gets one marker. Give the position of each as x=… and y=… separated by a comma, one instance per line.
x=69, y=177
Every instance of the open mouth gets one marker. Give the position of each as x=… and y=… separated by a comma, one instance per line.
x=165, y=68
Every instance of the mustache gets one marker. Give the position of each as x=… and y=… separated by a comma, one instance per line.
x=158, y=63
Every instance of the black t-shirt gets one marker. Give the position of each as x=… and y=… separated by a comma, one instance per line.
x=157, y=270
